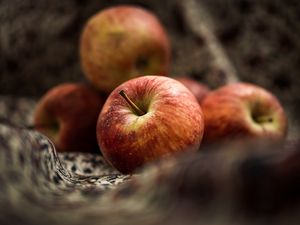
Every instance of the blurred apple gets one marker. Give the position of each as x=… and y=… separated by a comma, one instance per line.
x=242, y=110
x=199, y=90
x=67, y=114
x=123, y=42
x=148, y=118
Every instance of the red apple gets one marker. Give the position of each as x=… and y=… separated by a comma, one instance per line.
x=67, y=114
x=242, y=110
x=123, y=42
x=148, y=118
x=198, y=89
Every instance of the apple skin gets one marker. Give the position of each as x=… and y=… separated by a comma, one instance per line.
x=199, y=90
x=67, y=114
x=242, y=110
x=173, y=123
x=123, y=42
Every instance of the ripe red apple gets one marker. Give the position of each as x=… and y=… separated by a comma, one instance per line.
x=123, y=42
x=148, y=118
x=198, y=89
x=67, y=114
x=242, y=110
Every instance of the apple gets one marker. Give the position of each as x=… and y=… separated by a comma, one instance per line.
x=146, y=119
x=199, y=90
x=123, y=42
x=242, y=110
x=67, y=114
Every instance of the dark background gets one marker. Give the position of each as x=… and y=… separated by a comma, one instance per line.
x=260, y=40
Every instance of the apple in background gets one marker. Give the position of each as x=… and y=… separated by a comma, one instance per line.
x=242, y=110
x=123, y=42
x=148, y=118
x=67, y=114
x=198, y=89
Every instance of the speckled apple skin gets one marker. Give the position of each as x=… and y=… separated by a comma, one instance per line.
x=123, y=42
x=228, y=114
x=75, y=107
x=173, y=123
x=199, y=90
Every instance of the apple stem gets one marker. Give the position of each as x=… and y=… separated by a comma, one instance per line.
x=136, y=109
x=263, y=119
